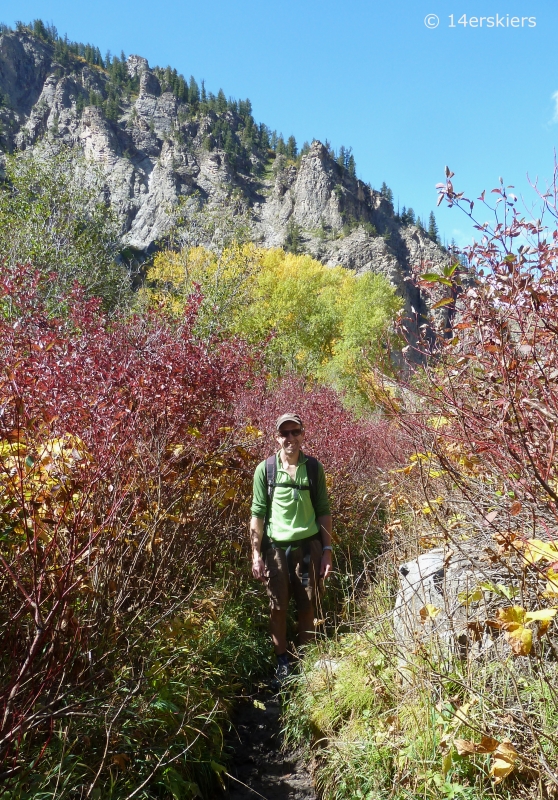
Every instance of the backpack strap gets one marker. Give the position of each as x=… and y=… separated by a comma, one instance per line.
x=312, y=472
x=270, y=478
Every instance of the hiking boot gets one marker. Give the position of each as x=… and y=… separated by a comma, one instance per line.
x=281, y=674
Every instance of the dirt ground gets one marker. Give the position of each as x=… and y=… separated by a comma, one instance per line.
x=259, y=767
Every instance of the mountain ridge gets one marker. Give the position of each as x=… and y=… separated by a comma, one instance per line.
x=157, y=148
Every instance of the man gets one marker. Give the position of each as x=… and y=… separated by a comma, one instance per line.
x=290, y=531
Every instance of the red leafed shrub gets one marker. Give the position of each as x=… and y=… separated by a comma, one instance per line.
x=489, y=397
x=481, y=413
x=127, y=449
x=119, y=470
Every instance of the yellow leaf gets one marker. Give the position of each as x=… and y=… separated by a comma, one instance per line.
x=446, y=763
x=408, y=469
x=543, y=615
x=536, y=550
x=467, y=748
x=464, y=747
x=552, y=584
x=505, y=758
x=428, y=612
x=461, y=713
x=501, y=768
x=237, y=547
x=520, y=640
x=438, y=422
x=420, y=457
x=259, y=705
x=488, y=745
x=252, y=431
x=511, y=617
x=470, y=597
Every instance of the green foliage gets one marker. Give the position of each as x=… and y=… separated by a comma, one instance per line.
x=293, y=237
x=317, y=320
x=386, y=192
x=407, y=216
x=377, y=735
x=367, y=304
x=433, y=228
x=53, y=214
x=167, y=702
x=346, y=160
x=291, y=148
x=171, y=81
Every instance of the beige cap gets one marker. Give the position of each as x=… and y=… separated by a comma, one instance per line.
x=288, y=418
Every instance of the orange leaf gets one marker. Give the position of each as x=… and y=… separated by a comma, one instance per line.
x=467, y=748
x=121, y=761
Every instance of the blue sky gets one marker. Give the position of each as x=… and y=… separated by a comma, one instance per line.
x=371, y=75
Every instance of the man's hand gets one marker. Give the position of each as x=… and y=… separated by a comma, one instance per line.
x=258, y=566
x=326, y=566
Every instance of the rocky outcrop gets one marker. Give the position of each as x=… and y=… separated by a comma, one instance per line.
x=155, y=150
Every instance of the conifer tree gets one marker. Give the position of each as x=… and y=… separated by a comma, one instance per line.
x=433, y=228
x=291, y=148
x=386, y=192
x=351, y=166
x=194, y=91
x=221, y=101
x=263, y=135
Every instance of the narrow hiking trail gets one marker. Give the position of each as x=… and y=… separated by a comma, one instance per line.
x=260, y=767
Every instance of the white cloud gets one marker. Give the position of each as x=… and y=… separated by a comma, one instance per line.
x=555, y=98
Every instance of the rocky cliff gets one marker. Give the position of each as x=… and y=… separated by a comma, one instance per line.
x=155, y=148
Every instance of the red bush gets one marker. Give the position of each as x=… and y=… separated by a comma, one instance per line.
x=115, y=455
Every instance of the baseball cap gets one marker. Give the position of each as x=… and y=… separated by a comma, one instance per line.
x=288, y=418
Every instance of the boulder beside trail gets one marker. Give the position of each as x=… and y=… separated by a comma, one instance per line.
x=432, y=607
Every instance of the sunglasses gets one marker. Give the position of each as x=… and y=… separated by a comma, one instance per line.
x=286, y=434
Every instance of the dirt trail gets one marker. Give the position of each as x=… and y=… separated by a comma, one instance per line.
x=259, y=763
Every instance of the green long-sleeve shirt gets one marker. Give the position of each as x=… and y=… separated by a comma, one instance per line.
x=292, y=514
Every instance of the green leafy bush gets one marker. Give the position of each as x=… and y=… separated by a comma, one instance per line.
x=54, y=214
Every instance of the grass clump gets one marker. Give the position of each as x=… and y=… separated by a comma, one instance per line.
x=374, y=731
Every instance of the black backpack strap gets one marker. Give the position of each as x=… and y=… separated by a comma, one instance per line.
x=270, y=477
x=312, y=472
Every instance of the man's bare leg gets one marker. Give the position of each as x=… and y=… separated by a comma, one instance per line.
x=278, y=630
x=306, y=632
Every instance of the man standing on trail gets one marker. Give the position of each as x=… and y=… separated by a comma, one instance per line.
x=290, y=531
